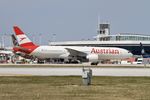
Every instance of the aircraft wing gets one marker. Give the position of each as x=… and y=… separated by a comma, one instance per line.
x=74, y=52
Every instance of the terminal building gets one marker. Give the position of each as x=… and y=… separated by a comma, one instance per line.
x=129, y=41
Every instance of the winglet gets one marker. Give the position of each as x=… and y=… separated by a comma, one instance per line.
x=18, y=31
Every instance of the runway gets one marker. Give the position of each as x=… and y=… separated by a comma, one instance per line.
x=9, y=71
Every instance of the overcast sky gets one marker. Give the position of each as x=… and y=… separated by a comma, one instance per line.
x=73, y=19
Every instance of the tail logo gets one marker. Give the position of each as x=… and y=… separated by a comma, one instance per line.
x=21, y=39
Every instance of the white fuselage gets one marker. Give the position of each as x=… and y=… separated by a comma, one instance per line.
x=61, y=52
x=50, y=52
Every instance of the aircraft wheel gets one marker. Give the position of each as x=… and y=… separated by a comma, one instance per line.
x=94, y=63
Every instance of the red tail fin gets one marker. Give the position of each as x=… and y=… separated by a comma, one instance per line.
x=23, y=40
x=18, y=30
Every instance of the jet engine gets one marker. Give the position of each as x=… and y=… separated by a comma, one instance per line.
x=93, y=58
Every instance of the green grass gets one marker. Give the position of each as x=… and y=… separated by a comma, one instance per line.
x=71, y=88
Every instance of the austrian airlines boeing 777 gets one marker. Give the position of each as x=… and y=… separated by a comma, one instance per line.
x=93, y=54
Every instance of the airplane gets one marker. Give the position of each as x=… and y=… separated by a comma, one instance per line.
x=92, y=54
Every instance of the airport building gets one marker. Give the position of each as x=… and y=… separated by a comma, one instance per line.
x=5, y=56
x=129, y=41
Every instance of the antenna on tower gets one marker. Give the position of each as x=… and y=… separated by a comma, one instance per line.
x=99, y=21
x=98, y=25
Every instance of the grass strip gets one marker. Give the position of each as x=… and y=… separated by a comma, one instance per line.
x=71, y=88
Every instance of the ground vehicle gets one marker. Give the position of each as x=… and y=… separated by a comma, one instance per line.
x=138, y=61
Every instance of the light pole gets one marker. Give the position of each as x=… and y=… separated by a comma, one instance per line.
x=33, y=37
x=40, y=39
x=53, y=37
x=1, y=40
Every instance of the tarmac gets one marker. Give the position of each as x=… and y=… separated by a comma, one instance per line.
x=66, y=70
x=78, y=65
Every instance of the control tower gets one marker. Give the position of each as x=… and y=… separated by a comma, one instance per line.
x=103, y=30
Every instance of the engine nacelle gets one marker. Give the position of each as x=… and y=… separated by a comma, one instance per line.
x=65, y=56
x=93, y=58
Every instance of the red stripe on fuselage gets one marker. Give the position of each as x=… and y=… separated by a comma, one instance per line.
x=25, y=49
x=31, y=49
x=27, y=44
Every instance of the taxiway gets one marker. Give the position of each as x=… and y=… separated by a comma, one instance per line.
x=45, y=71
